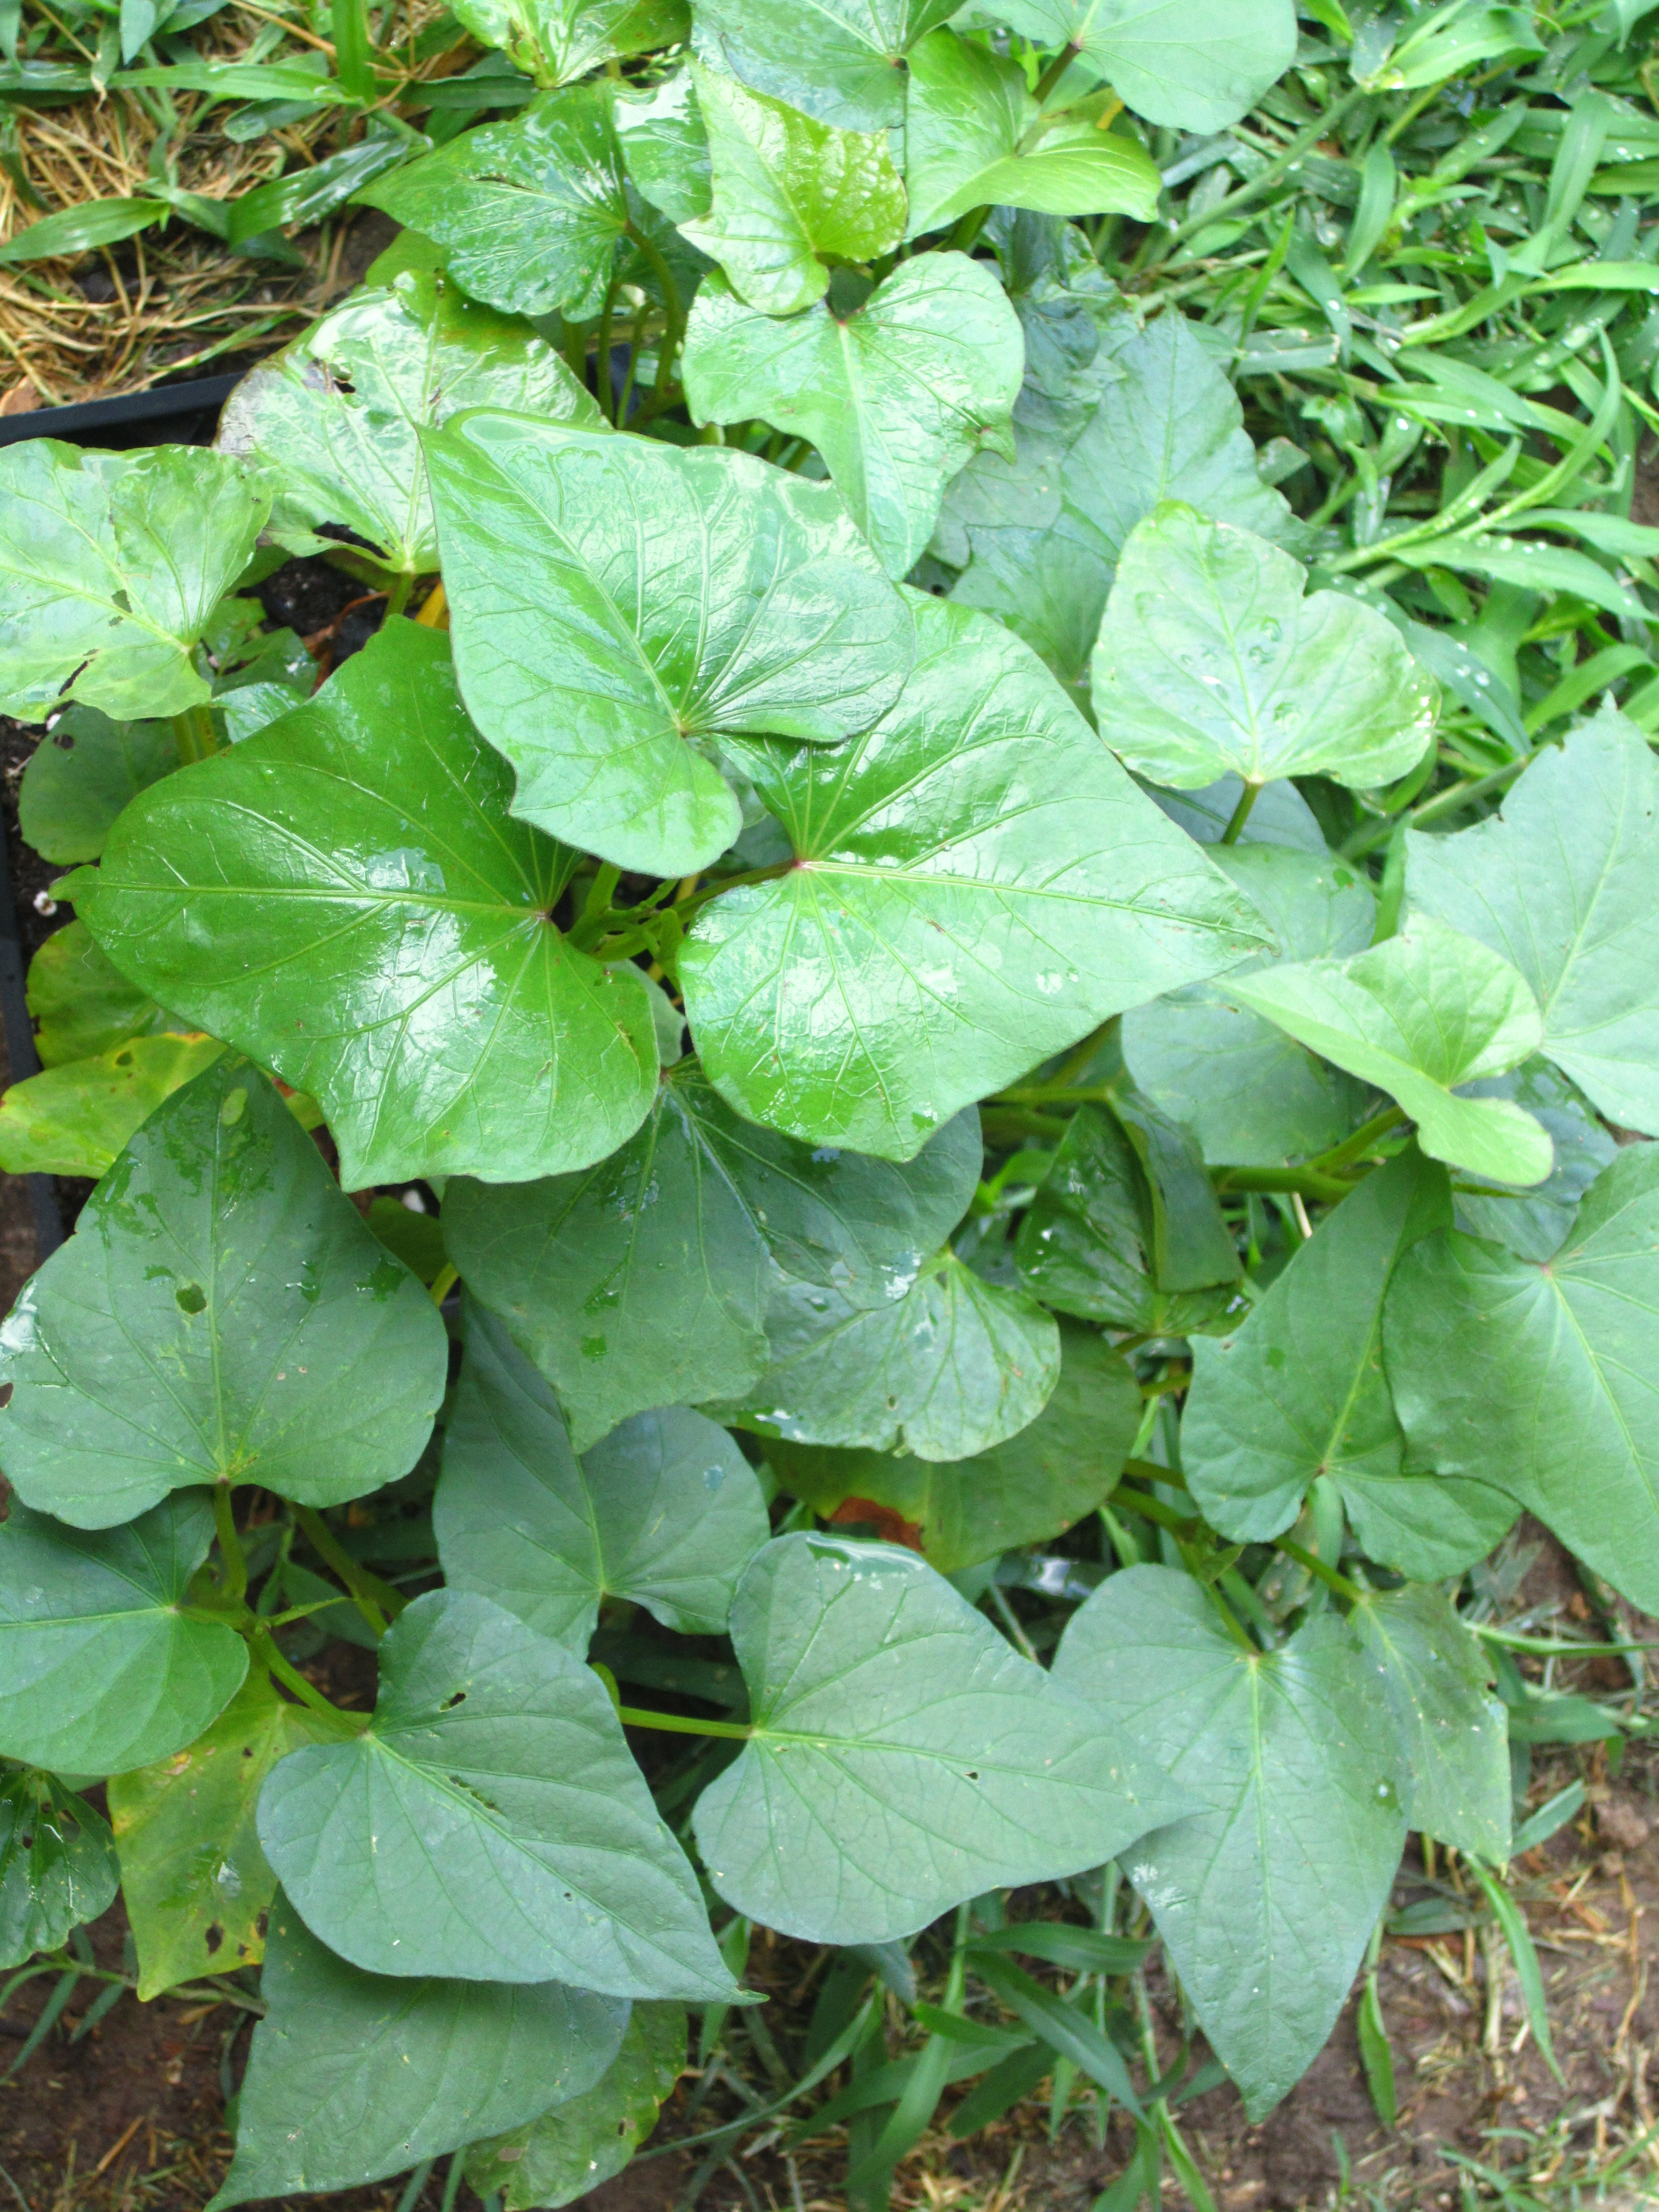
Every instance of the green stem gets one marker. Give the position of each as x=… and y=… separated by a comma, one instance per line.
x=682, y=1724
x=234, y=1583
x=1365, y=1140
x=397, y=597
x=443, y=1283
x=965, y=236
x=193, y=734
x=1241, y=813
x=1051, y=76
x=1316, y=1567
x=376, y=1600
x=1302, y=1180
x=602, y=363
x=698, y=898
x=290, y=1677
x=673, y=327
x=1056, y=1094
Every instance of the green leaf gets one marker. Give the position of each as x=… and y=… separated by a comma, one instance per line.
x=660, y=128
x=1280, y=817
x=1540, y=1379
x=570, y=559
x=103, y=1669
x=353, y=2077
x=57, y=1866
x=78, y=229
x=1420, y=1014
x=1152, y=418
x=839, y=59
x=338, y=413
x=665, y=1512
x=1210, y=660
x=1564, y=883
x=646, y=1280
x=974, y=136
x=110, y=566
x=1535, y=1221
x=489, y=1823
x=1250, y=1095
x=787, y=190
x=221, y=1312
x=82, y=775
x=580, y=2144
x=345, y=896
x=1455, y=1734
x=896, y=395
x=531, y=210
x=979, y=884
x=1294, y=1757
x=1199, y=64
x=195, y=1881
x=1298, y=1391
x=1096, y=1239
x=74, y=1121
x=555, y=41
x=1023, y=1491
x=82, y=1002
x=307, y=194
x=904, y=1757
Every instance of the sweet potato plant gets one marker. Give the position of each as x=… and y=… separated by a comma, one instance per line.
x=908, y=1065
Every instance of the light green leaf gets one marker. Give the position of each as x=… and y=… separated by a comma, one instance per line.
x=1535, y=1222
x=82, y=1002
x=353, y=2077
x=904, y=1755
x=74, y=1121
x=839, y=59
x=555, y=41
x=1199, y=64
x=1564, y=883
x=221, y=1312
x=896, y=395
x=1455, y=1734
x=490, y=1822
x=102, y=1669
x=345, y=896
x=1298, y=1393
x=1294, y=1755
x=572, y=561
x=82, y=775
x=1151, y=418
x=786, y=190
x=1252, y=1096
x=57, y=1865
x=646, y=1280
x=1541, y=1380
x=110, y=566
x=665, y=1512
x=1021, y=1491
x=570, y=2150
x=75, y=229
x=660, y=128
x=979, y=884
x=974, y=136
x=531, y=212
x=1210, y=660
x=1418, y=1015
x=337, y=413
x=195, y=1881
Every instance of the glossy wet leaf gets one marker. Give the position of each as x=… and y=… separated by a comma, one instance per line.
x=531, y=212
x=102, y=1670
x=337, y=413
x=82, y=1004
x=646, y=1280
x=1200, y=65
x=974, y=136
x=1418, y=1015
x=57, y=1866
x=978, y=885
x=1454, y=1732
x=110, y=566
x=839, y=59
x=220, y=1312
x=1294, y=1756
x=1540, y=1379
x=195, y=1881
x=904, y=1755
x=579, y=2144
x=352, y=2076
x=1564, y=883
x=665, y=1512
x=490, y=1822
x=660, y=128
x=74, y=1121
x=345, y=896
x=617, y=606
x=1038, y=1482
x=557, y=40
x=896, y=395
x=1251, y=1095
x=786, y=190
x=80, y=776
x=1211, y=661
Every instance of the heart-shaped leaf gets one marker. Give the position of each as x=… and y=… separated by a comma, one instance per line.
x=80, y=777
x=617, y=606
x=57, y=1866
x=557, y=40
x=1199, y=64
x=345, y=896
x=904, y=1756
x=839, y=59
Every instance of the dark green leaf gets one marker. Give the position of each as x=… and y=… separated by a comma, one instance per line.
x=82, y=775
x=76, y=230
x=1535, y=1221
x=57, y=1866
x=1435, y=1674
x=82, y=1002
x=307, y=194
x=1069, y=2033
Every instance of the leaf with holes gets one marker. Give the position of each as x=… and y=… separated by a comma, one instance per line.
x=74, y=1121
x=57, y=1866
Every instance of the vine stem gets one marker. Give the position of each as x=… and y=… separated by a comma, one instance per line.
x=674, y=312
x=230, y=1544
x=376, y=1600
x=193, y=735
x=682, y=1724
x=290, y=1676
x=1365, y=1138
x=1241, y=813
x=1315, y=1566
x=397, y=597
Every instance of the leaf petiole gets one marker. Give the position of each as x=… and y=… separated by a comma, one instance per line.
x=682, y=1724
